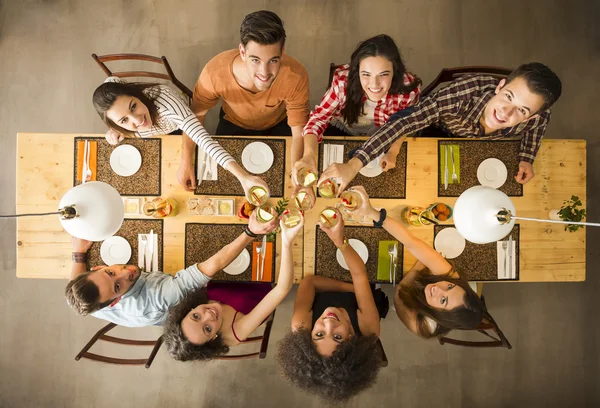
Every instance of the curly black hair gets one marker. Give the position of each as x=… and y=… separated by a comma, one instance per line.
x=178, y=345
x=352, y=368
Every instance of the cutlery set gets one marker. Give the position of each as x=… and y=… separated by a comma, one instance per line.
x=507, y=262
x=446, y=170
x=261, y=252
x=146, y=258
x=393, y=252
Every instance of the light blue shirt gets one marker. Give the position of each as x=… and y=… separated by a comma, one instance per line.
x=148, y=301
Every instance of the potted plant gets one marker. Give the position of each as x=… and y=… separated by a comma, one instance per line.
x=569, y=212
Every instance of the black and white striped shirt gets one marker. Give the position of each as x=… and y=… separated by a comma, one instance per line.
x=173, y=114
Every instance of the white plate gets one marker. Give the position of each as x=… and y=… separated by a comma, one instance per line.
x=239, y=264
x=115, y=250
x=359, y=247
x=257, y=157
x=449, y=243
x=373, y=169
x=125, y=160
x=492, y=173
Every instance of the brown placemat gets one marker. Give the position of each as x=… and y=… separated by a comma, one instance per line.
x=472, y=153
x=146, y=182
x=480, y=262
x=325, y=254
x=204, y=240
x=226, y=183
x=130, y=230
x=391, y=184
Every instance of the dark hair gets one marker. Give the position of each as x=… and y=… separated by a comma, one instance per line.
x=178, y=345
x=467, y=316
x=540, y=80
x=352, y=367
x=107, y=93
x=379, y=46
x=263, y=27
x=83, y=295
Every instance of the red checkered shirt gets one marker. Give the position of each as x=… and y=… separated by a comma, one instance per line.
x=335, y=99
x=457, y=108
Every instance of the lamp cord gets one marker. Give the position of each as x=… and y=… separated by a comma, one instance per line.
x=27, y=215
x=591, y=224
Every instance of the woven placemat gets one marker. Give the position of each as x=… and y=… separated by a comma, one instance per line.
x=228, y=185
x=480, y=262
x=391, y=184
x=204, y=240
x=326, y=262
x=472, y=153
x=146, y=182
x=130, y=230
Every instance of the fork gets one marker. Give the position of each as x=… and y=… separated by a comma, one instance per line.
x=454, y=176
x=391, y=252
x=504, y=248
x=258, y=251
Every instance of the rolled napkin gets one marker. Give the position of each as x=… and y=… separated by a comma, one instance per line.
x=332, y=153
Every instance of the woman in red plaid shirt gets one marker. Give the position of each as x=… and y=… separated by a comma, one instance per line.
x=362, y=97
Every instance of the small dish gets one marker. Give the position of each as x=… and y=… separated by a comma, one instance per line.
x=132, y=205
x=373, y=169
x=257, y=157
x=437, y=209
x=492, y=173
x=224, y=206
x=125, y=160
x=449, y=243
x=115, y=250
x=246, y=210
x=359, y=247
x=239, y=264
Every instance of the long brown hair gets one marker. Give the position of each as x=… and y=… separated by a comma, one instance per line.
x=379, y=46
x=107, y=93
x=466, y=316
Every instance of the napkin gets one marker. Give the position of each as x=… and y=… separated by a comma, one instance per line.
x=456, y=151
x=154, y=255
x=93, y=158
x=332, y=153
x=501, y=273
x=268, y=271
x=383, y=261
x=202, y=158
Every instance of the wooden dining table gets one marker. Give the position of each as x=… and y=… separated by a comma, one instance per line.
x=45, y=165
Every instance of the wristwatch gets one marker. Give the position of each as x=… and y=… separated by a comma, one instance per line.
x=344, y=244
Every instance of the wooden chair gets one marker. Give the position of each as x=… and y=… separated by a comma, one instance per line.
x=264, y=344
x=450, y=74
x=101, y=335
x=169, y=76
x=487, y=323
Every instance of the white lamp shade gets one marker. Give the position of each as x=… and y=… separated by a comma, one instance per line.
x=475, y=214
x=100, y=211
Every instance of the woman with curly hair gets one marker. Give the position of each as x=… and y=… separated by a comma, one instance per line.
x=208, y=322
x=332, y=349
x=432, y=298
x=147, y=109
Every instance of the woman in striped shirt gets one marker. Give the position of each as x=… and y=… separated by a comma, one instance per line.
x=145, y=109
x=362, y=97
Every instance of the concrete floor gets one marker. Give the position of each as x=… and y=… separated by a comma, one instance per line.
x=46, y=85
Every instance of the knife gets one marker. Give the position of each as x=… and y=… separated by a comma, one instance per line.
x=263, y=250
x=149, y=251
x=84, y=164
x=510, y=255
x=201, y=168
x=445, y=167
x=395, y=261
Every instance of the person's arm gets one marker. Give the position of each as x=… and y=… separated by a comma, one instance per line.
x=406, y=315
x=368, y=316
x=229, y=252
x=531, y=141
x=245, y=325
x=79, y=256
x=422, y=251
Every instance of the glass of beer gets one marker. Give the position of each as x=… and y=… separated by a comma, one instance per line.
x=329, y=217
x=265, y=213
x=291, y=217
x=258, y=196
x=351, y=200
x=306, y=177
x=161, y=207
x=303, y=201
x=329, y=188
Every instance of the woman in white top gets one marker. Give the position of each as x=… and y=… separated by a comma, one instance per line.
x=146, y=109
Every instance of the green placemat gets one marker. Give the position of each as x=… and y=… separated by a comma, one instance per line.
x=383, y=261
x=456, y=154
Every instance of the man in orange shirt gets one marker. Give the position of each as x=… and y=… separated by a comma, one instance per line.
x=264, y=91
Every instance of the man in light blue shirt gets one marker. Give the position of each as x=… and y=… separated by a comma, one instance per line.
x=124, y=295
